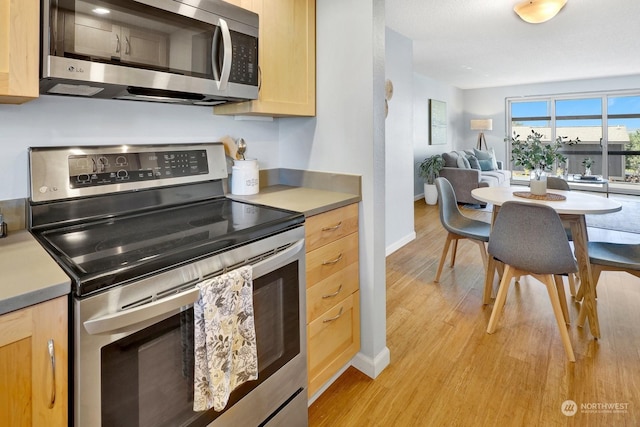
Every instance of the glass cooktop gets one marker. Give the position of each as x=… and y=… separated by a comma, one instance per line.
x=116, y=250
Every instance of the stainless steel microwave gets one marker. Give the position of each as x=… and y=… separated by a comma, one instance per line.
x=199, y=52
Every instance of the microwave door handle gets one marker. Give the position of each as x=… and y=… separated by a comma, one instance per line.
x=127, y=319
x=227, y=54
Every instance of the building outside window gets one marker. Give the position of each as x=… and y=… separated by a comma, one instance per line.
x=604, y=128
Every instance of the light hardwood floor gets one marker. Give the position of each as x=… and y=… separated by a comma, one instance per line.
x=447, y=371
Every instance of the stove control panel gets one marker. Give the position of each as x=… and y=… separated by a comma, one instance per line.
x=59, y=173
x=86, y=170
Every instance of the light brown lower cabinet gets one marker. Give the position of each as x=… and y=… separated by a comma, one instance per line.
x=333, y=295
x=33, y=365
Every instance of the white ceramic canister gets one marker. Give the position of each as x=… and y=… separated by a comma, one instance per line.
x=245, y=177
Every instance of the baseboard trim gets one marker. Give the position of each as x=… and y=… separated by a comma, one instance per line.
x=326, y=385
x=366, y=365
x=400, y=243
x=372, y=367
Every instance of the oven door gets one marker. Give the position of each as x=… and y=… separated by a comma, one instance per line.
x=134, y=367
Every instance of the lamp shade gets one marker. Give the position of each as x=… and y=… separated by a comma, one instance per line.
x=482, y=124
x=538, y=11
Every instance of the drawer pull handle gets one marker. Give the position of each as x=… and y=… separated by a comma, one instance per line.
x=333, y=261
x=333, y=294
x=52, y=357
x=335, y=227
x=334, y=318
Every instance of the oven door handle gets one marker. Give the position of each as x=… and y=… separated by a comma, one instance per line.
x=278, y=260
x=128, y=319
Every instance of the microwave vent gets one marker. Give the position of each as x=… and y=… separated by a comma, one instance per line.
x=78, y=90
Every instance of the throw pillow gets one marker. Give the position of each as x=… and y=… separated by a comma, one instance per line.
x=463, y=163
x=485, y=165
x=473, y=161
x=450, y=160
x=487, y=155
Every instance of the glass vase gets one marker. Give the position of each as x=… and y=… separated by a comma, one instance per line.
x=538, y=182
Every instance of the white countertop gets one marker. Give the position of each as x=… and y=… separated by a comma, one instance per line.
x=28, y=274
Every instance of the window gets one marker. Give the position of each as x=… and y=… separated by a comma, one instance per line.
x=602, y=127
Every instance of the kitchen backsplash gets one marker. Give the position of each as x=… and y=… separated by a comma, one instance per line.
x=14, y=213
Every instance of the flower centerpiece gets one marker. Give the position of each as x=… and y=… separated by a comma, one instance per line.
x=587, y=163
x=538, y=157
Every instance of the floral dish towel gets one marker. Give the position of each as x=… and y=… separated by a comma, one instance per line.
x=225, y=338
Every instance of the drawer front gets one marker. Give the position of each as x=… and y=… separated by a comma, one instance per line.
x=331, y=258
x=334, y=338
x=330, y=226
x=332, y=290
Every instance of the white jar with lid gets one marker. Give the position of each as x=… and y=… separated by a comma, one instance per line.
x=245, y=177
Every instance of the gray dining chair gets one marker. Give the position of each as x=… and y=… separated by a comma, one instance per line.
x=606, y=256
x=530, y=240
x=458, y=226
x=555, y=183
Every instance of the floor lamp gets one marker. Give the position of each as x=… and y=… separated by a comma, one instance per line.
x=482, y=125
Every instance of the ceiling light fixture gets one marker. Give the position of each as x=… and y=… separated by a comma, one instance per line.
x=101, y=11
x=538, y=11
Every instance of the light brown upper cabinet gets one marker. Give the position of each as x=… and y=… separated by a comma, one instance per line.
x=19, y=41
x=287, y=60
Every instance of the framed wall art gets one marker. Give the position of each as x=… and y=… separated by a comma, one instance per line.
x=437, y=122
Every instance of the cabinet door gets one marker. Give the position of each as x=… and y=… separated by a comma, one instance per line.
x=330, y=226
x=19, y=44
x=93, y=37
x=287, y=59
x=144, y=47
x=331, y=258
x=333, y=340
x=33, y=389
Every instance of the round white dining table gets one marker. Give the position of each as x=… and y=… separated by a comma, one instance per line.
x=572, y=210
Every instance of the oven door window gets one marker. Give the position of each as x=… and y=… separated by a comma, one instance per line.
x=147, y=377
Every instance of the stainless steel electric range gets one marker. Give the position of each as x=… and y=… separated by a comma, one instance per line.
x=137, y=228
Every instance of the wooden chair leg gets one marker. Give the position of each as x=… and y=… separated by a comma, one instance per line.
x=500, y=298
x=488, y=280
x=557, y=310
x=596, y=270
x=483, y=252
x=562, y=297
x=573, y=278
x=454, y=251
x=443, y=257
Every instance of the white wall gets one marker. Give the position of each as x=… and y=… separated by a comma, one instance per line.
x=425, y=88
x=399, y=229
x=491, y=103
x=347, y=135
x=55, y=120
